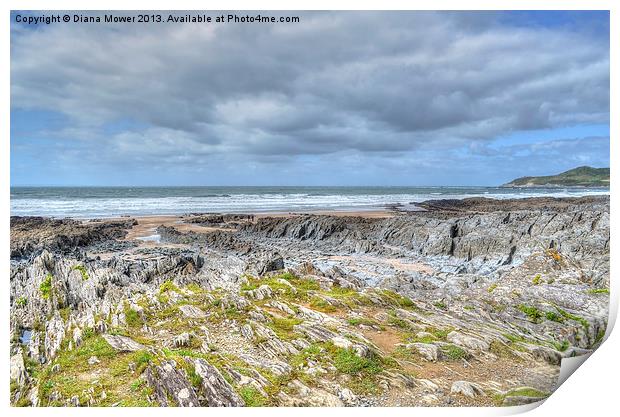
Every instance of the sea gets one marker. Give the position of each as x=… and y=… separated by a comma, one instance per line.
x=102, y=202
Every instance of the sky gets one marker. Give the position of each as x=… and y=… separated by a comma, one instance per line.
x=340, y=98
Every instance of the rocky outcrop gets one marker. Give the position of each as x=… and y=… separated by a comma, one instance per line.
x=122, y=343
x=32, y=234
x=312, y=310
x=217, y=392
x=466, y=388
x=170, y=386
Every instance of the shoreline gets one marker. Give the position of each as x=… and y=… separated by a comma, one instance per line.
x=144, y=227
x=139, y=203
x=443, y=203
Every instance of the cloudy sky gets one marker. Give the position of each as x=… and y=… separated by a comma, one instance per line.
x=343, y=98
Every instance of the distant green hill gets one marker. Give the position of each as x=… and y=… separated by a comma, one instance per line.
x=578, y=177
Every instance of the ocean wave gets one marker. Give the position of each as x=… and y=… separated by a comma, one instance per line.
x=91, y=207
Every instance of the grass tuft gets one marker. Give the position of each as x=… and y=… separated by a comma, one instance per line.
x=46, y=287
x=82, y=270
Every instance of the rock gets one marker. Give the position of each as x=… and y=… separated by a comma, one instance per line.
x=313, y=315
x=271, y=262
x=467, y=341
x=341, y=342
x=55, y=396
x=546, y=354
x=347, y=396
x=18, y=370
x=430, y=399
x=34, y=345
x=309, y=397
x=217, y=391
x=182, y=340
x=247, y=332
x=290, y=286
x=170, y=386
x=468, y=389
x=34, y=396
x=300, y=344
x=481, y=257
x=315, y=331
x=93, y=360
x=123, y=343
x=260, y=293
x=273, y=365
x=282, y=306
x=54, y=334
x=512, y=401
x=275, y=347
x=192, y=312
x=244, y=380
x=426, y=350
x=381, y=317
x=427, y=385
x=77, y=336
x=257, y=316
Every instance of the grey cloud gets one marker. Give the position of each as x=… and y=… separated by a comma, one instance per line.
x=372, y=82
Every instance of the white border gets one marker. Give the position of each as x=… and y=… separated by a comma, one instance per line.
x=591, y=391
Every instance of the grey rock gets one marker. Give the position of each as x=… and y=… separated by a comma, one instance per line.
x=466, y=388
x=122, y=343
x=18, y=370
x=170, y=386
x=192, y=312
x=217, y=391
x=467, y=341
x=426, y=350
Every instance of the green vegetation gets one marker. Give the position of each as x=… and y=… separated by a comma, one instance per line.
x=599, y=291
x=283, y=327
x=132, y=317
x=358, y=321
x=348, y=362
x=195, y=288
x=585, y=323
x=441, y=305
x=519, y=392
x=321, y=305
x=395, y=321
x=537, y=279
x=434, y=334
x=527, y=392
x=297, y=290
x=503, y=350
x=82, y=270
x=560, y=346
x=252, y=397
x=454, y=352
x=77, y=377
x=168, y=286
x=164, y=289
x=582, y=176
x=553, y=316
x=21, y=301
x=65, y=313
x=399, y=300
x=491, y=288
x=46, y=287
x=531, y=312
